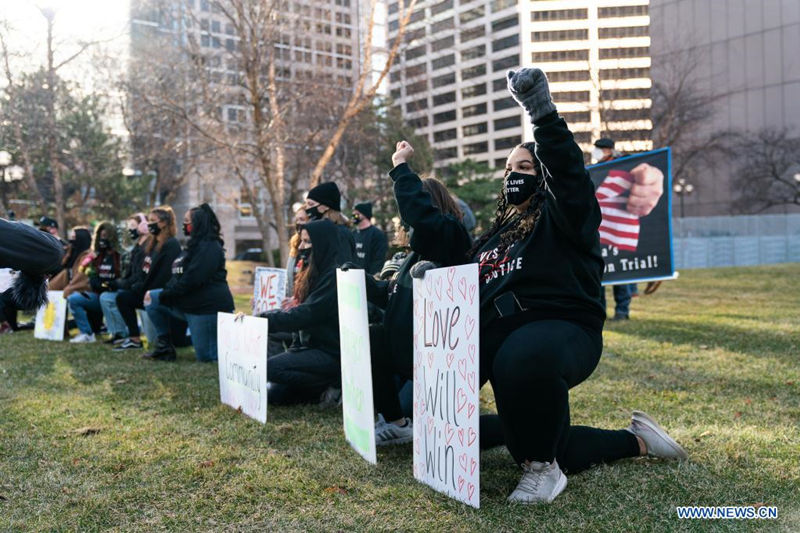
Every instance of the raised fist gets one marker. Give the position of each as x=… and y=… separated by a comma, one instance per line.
x=402, y=153
x=530, y=89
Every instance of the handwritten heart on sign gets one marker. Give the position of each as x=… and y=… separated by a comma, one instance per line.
x=471, y=381
x=462, y=460
x=438, y=288
x=472, y=436
x=471, y=350
x=472, y=466
x=472, y=289
x=462, y=368
x=450, y=358
x=462, y=400
x=462, y=287
x=469, y=326
x=449, y=433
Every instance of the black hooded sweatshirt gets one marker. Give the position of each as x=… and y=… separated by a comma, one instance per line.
x=555, y=271
x=157, y=267
x=199, y=283
x=316, y=317
x=371, y=248
x=25, y=248
x=436, y=237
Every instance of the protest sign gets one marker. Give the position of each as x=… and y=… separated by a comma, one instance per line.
x=635, y=248
x=357, y=407
x=242, y=360
x=446, y=382
x=51, y=318
x=269, y=289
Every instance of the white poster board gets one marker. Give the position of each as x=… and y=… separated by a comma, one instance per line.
x=242, y=359
x=6, y=279
x=269, y=289
x=51, y=317
x=357, y=406
x=446, y=382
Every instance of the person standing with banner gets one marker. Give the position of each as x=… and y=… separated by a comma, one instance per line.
x=541, y=319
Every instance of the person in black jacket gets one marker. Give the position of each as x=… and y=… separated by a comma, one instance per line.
x=137, y=232
x=540, y=315
x=161, y=249
x=324, y=202
x=370, y=241
x=437, y=235
x=197, y=290
x=305, y=372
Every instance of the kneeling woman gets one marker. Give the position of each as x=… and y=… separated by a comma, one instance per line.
x=305, y=372
x=541, y=318
x=197, y=290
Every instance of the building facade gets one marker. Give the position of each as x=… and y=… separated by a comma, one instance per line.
x=451, y=79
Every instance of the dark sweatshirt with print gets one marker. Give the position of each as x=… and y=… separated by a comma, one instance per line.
x=157, y=267
x=199, y=283
x=371, y=248
x=317, y=317
x=554, y=272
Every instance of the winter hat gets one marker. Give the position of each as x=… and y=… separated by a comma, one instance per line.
x=327, y=194
x=365, y=208
x=605, y=142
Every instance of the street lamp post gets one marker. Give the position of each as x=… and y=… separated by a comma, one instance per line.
x=683, y=188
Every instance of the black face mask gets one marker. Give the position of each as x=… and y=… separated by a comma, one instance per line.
x=133, y=234
x=186, y=229
x=313, y=213
x=303, y=254
x=518, y=187
x=103, y=244
x=153, y=228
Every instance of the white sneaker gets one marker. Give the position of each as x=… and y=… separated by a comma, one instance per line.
x=658, y=443
x=388, y=433
x=540, y=483
x=83, y=337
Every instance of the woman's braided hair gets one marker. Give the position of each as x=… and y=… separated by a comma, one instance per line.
x=521, y=224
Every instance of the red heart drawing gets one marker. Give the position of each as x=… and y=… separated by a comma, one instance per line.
x=438, y=288
x=471, y=381
x=472, y=289
x=462, y=400
x=430, y=308
x=469, y=326
x=450, y=358
x=462, y=368
x=430, y=359
x=449, y=292
x=462, y=287
x=462, y=460
x=460, y=483
x=471, y=350
x=461, y=436
x=472, y=436
x=472, y=466
x=431, y=422
x=471, y=490
x=470, y=410
x=449, y=432
x=451, y=272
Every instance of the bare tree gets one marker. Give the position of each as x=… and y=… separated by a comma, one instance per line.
x=768, y=171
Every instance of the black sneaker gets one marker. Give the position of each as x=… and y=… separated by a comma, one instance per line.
x=128, y=344
x=116, y=339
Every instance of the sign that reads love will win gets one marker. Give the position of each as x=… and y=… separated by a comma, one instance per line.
x=446, y=382
x=242, y=359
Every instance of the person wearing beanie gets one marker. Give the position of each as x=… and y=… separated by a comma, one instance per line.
x=324, y=202
x=371, y=242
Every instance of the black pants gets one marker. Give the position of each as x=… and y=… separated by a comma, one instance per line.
x=127, y=303
x=385, y=366
x=9, y=309
x=531, y=369
x=301, y=376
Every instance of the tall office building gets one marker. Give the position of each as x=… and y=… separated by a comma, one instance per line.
x=451, y=78
x=318, y=40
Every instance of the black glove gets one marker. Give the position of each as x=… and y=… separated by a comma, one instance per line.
x=530, y=89
x=348, y=265
x=96, y=284
x=419, y=269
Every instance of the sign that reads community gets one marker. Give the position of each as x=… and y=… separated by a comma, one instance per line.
x=635, y=246
x=357, y=407
x=51, y=318
x=269, y=289
x=446, y=382
x=242, y=359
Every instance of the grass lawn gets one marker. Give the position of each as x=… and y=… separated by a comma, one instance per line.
x=94, y=440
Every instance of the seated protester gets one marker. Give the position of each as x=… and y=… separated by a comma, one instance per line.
x=436, y=234
x=161, y=249
x=197, y=290
x=94, y=273
x=541, y=322
x=371, y=243
x=300, y=220
x=312, y=369
x=137, y=231
x=80, y=238
x=35, y=255
x=324, y=201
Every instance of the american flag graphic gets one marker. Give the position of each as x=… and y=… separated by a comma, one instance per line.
x=618, y=228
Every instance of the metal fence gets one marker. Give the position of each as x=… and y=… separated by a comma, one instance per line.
x=706, y=242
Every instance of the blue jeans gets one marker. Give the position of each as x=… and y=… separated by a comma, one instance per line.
x=622, y=299
x=203, y=327
x=79, y=305
x=116, y=326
